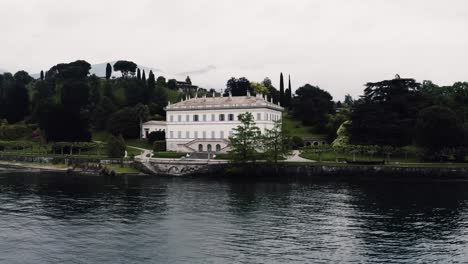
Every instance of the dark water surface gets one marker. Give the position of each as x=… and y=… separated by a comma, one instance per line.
x=54, y=218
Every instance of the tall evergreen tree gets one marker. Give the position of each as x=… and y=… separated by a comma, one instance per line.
x=187, y=80
x=143, y=76
x=17, y=103
x=151, y=85
x=288, y=93
x=108, y=71
x=42, y=75
x=281, y=95
x=138, y=74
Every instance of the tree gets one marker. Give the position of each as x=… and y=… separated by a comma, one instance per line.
x=23, y=77
x=276, y=144
x=16, y=103
x=334, y=122
x=125, y=67
x=258, y=88
x=272, y=91
x=61, y=124
x=42, y=75
x=187, y=80
x=151, y=86
x=438, y=127
x=156, y=136
x=288, y=94
x=143, y=77
x=161, y=81
x=238, y=87
x=138, y=74
x=102, y=113
x=116, y=147
x=245, y=140
x=386, y=114
x=281, y=91
x=311, y=106
x=108, y=71
x=172, y=84
x=142, y=113
x=348, y=101
x=75, y=95
x=124, y=122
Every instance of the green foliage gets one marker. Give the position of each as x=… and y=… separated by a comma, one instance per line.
x=23, y=77
x=108, y=71
x=102, y=113
x=116, y=147
x=124, y=122
x=334, y=123
x=238, y=87
x=156, y=136
x=125, y=67
x=312, y=105
x=297, y=142
x=438, y=128
x=245, y=140
x=342, y=136
x=14, y=132
x=258, y=88
x=276, y=143
x=387, y=113
x=281, y=90
x=159, y=146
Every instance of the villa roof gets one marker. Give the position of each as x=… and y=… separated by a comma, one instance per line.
x=228, y=102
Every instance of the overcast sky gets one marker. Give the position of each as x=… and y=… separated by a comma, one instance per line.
x=336, y=44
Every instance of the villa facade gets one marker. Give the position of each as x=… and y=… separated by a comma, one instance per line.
x=204, y=124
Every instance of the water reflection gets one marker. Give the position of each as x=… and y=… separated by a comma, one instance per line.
x=53, y=218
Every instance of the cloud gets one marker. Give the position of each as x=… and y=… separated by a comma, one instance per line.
x=198, y=71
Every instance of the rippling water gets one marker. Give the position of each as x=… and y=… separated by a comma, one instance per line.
x=53, y=218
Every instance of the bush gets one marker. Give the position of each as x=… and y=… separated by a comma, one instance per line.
x=124, y=122
x=116, y=147
x=156, y=136
x=297, y=142
x=14, y=132
x=159, y=146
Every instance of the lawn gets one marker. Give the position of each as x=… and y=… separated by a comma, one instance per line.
x=296, y=128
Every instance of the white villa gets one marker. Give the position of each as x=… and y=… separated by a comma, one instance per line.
x=204, y=124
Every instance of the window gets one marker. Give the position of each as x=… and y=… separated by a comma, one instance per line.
x=218, y=147
x=171, y=134
x=179, y=118
x=187, y=118
x=204, y=117
x=231, y=117
x=200, y=147
x=196, y=134
x=266, y=116
x=195, y=118
x=212, y=117
x=209, y=147
x=179, y=134
x=187, y=134
x=212, y=134
x=171, y=118
x=221, y=134
x=204, y=134
x=221, y=117
x=259, y=116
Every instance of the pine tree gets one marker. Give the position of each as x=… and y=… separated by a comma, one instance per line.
x=143, y=76
x=151, y=85
x=42, y=75
x=187, y=80
x=108, y=71
x=138, y=74
x=281, y=95
x=288, y=94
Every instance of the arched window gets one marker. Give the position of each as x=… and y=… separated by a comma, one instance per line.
x=200, y=147
x=209, y=147
x=218, y=147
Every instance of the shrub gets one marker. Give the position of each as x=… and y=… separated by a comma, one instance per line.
x=159, y=146
x=14, y=132
x=297, y=142
x=116, y=147
x=156, y=136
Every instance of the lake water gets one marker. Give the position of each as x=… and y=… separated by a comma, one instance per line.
x=54, y=218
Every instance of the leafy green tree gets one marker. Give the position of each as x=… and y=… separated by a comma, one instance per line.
x=125, y=67
x=334, y=122
x=108, y=71
x=23, y=77
x=172, y=84
x=245, y=140
x=276, y=144
x=142, y=112
x=102, y=113
x=238, y=87
x=161, y=81
x=124, y=122
x=94, y=90
x=116, y=147
x=156, y=136
x=17, y=103
x=386, y=114
x=437, y=128
x=272, y=91
x=258, y=88
x=312, y=106
x=75, y=95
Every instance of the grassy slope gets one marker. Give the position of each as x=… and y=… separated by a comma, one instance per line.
x=296, y=128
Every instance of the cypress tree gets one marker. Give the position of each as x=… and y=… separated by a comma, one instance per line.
x=138, y=74
x=108, y=71
x=151, y=85
x=143, y=76
x=42, y=75
x=288, y=93
x=281, y=90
